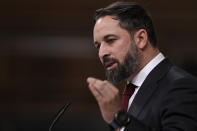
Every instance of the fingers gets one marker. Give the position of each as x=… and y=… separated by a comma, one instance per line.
x=95, y=92
x=96, y=88
x=101, y=89
x=107, y=96
x=97, y=84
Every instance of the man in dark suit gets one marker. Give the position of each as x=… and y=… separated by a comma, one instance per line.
x=159, y=96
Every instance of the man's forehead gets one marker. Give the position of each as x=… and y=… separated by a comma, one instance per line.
x=106, y=21
x=99, y=21
x=106, y=25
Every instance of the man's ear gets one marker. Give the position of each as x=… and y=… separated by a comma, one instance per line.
x=141, y=38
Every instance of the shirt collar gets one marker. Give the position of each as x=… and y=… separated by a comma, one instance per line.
x=141, y=76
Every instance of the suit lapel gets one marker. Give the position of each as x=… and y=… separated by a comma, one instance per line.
x=148, y=87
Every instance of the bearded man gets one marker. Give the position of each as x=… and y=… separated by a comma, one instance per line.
x=159, y=96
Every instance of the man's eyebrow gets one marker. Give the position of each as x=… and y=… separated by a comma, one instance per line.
x=109, y=35
x=105, y=38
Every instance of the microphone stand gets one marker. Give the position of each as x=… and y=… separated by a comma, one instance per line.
x=59, y=114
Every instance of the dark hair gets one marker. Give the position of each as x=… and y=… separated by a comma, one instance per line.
x=132, y=17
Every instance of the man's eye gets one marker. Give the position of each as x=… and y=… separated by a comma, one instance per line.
x=110, y=40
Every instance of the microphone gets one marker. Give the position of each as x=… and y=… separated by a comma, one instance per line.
x=59, y=114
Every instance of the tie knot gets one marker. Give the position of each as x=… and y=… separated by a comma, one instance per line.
x=129, y=89
x=130, y=85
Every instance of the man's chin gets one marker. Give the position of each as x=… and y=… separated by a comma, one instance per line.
x=113, y=76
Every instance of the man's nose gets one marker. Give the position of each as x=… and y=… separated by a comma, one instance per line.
x=104, y=51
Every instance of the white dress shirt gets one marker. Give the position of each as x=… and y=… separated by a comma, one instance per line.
x=141, y=76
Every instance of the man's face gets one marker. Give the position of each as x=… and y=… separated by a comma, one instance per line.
x=117, y=51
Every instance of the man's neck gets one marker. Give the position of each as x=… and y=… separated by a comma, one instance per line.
x=143, y=61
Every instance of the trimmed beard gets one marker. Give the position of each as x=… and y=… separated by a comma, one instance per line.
x=126, y=69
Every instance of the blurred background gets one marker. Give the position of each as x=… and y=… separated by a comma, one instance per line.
x=47, y=52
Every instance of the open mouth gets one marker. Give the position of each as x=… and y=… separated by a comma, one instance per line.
x=110, y=65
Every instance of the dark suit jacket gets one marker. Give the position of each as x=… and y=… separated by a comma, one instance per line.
x=166, y=101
